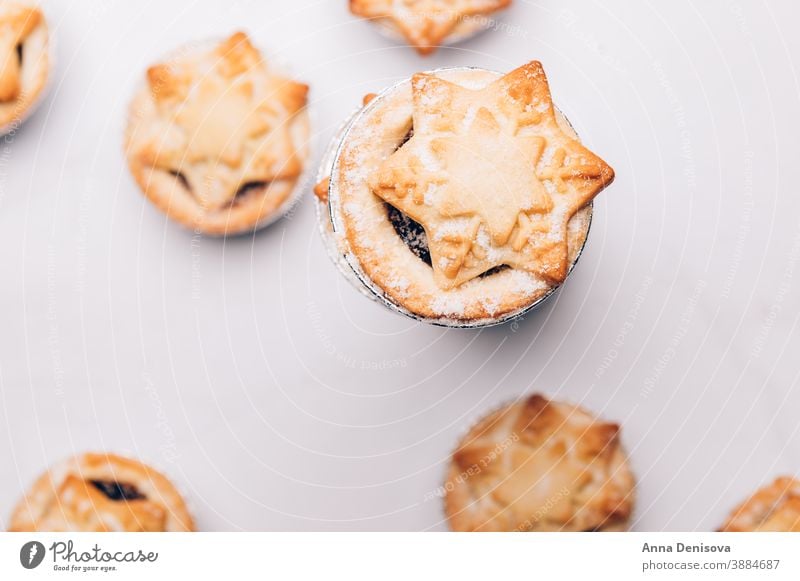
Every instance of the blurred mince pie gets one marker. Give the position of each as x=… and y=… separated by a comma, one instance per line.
x=217, y=139
x=102, y=492
x=774, y=508
x=540, y=465
x=24, y=50
x=428, y=24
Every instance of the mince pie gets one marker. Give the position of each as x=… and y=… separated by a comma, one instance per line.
x=539, y=465
x=102, y=492
x=217, y=139
x=427, y=24
x=774, y=508
x=24, y=50
x=462, y=197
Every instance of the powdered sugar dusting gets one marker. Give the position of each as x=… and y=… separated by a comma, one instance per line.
x=558, y=217
x=453, y=228
x=526, y=284
x=431, y=195
x=356, y=214
x=547, y=157
x=429, y=160
x=473, y=84
x=484, y=241
x=400, y=284
x=490, y=305
x=448, y=304
x=469, y=117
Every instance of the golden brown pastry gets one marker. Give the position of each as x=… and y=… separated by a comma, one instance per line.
x=773, y=508
x=24, y=60
x=463, y=196
x=539, y=465
x=102, y=492
x=426, y=24
x=218, y=140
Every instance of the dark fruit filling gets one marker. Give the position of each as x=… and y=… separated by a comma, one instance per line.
x=181, y=178
x=245, y=189
x=411, y=232
x=408, y=136
x=241, y=193
x=117, y=490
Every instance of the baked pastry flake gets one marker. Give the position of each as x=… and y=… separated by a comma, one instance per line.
x=217, y=139
x=539, y=465
x=463, y=197
x=427, y=24
x=102, y=492
x=24, y=60
x=774, y=508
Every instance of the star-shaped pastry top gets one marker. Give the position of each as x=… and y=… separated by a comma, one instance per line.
x=538, y=457
x=222, y=122
x=17, y=21
x=425, y=23
x=209, y=114
x=491, y=176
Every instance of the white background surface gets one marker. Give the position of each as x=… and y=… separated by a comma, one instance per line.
x=278, y=398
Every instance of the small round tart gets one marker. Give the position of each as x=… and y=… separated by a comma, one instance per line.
x=774, y=508
x=217, y=140
x=102, y=492
x=428, y=24
x=539, y=465
x=462, y=197
x=24, y=61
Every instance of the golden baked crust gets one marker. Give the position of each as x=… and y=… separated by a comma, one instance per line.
x=216, y=139
x=426, y=24
x=102, y=492
x=774, y=508
x=538, y=465
x=24, y=59
x=540, y=179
